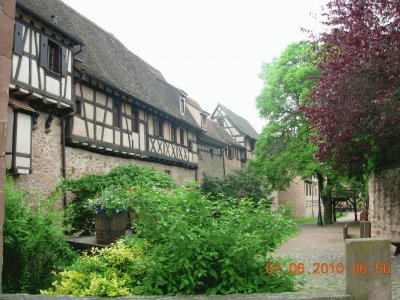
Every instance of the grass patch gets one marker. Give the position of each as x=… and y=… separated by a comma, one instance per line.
x=312, y=220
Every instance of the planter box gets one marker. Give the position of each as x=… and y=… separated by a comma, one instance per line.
x=109, y=229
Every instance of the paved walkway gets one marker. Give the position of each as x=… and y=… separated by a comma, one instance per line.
x=325, y=244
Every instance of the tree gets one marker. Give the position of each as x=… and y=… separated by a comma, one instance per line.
x=355, y=105
x=283, y=149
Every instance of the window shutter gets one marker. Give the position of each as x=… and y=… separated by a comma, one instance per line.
x=18, y=41
x=44, y=42
x=64, y=63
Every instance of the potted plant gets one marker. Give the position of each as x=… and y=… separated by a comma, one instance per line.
x=111, y=210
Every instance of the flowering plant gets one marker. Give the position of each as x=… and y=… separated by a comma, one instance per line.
x=112, y=201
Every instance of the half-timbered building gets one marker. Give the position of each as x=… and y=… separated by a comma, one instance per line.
x=81, y=102
x=238, y=127
x=219, y=153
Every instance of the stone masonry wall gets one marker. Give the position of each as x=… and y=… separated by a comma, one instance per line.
x=384, y=203
x=295, y=195
x=47, y=164
x=214, y=165
x=7, y=14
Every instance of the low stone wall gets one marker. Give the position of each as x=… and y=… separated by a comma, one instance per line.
x=384, y=203
x=282, y=296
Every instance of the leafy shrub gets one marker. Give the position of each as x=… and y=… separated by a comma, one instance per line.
x=80, y=217
x=206, y=247
x=34, y=243
x=244, y=183
x=113, y=271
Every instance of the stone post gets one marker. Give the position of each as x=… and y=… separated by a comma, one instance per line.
x=365, y=229
x=368, y=269
x=7, y=14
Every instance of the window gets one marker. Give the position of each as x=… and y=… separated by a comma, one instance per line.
x=54, y=57
x=173, y=133
x=221, y=121
x=168, y=172
x=182, y=133
x=117, y=114
x=230, y=153
x=190, y=145
x=182, y=105
x=212, y=152
x=203, y=121
x=135, y=121
x=78, y=108
x=158, y=127
x=308, y=187
x=252, y=143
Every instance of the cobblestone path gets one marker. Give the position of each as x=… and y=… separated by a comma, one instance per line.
x=325, y=244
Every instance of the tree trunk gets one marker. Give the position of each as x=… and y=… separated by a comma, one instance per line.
x=326, y=199
x=7, y=14
x=355, y=210
x=334, y=210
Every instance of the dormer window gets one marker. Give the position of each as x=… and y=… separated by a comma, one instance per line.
x=182, y=103
x=203, y=121
x=221, y=121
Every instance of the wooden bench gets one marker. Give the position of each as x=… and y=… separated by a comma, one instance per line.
x=346, y=231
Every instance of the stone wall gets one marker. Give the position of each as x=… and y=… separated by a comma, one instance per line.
x=384, y=203
x=213, y=165
x=210, y=164
x=305, y=205
x=7, y=14
x=47, y=161
x=295, y=195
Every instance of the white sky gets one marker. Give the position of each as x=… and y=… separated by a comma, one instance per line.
x=212, y=49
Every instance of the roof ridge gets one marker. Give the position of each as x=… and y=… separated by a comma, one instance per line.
x=108, y=33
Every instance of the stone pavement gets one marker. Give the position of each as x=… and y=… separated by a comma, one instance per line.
x=325, y=244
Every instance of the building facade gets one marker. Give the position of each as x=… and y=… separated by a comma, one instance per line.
x=80, y=102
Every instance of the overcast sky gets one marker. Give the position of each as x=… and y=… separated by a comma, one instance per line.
x=212, y=49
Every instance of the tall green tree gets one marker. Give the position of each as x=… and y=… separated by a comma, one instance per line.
x=284, y=149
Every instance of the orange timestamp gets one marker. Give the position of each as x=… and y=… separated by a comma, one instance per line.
x=325, y=268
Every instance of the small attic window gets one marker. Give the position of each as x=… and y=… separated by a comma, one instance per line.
x=203, y=121
x=182, y=105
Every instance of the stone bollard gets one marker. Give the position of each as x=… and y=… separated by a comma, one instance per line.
x=365, y=229
x=368, y=269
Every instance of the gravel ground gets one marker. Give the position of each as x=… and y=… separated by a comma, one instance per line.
x=325, y=245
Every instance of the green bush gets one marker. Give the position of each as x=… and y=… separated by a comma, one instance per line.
x=244, y=183
x=79, y=217
x=34, y=243
x=185, y=244
x=113, y=271
x=206, y=247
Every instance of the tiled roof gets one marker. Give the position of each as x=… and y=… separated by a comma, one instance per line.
x=242, y=124
x=194, y=103
x=217, y=132
x=104, y=57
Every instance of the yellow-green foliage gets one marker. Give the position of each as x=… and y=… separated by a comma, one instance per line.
x=113, y=271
